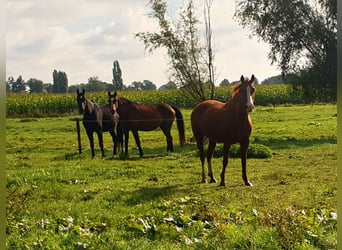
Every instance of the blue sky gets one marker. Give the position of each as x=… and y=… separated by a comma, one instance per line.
x=84, y=37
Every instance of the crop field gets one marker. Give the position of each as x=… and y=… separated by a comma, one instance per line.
x=58, y=199
x=42, y=105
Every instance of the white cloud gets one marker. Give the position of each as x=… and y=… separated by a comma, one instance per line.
x=84, y=37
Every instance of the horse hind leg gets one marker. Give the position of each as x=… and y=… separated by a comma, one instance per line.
x=244, y=148
x=199, y=142
x=137, y=141
x=226, y=148
x=169, y=143
x=210, y=151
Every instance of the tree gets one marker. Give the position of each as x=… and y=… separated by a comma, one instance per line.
x=186, y=62
x=303, y=39
x=60, y=82
x=9, y=84
x=48, y=88
x=36, y=86
x=145, y=85
x=148, y=85
x=17, y=86
x=208, y=35
x=224, y=82
x=168, y=86
x=117, y=76
x=278, y=79
x=95, y=85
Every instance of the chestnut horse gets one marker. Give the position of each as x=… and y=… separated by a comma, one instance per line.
x=226, y=123
x=97, y=119
x=135, y=117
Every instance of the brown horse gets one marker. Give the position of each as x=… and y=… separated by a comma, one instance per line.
x=135, y=117
x=226, y=123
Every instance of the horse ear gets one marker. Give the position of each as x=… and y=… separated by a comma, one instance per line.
x=108, y=93
x=77, y=91
x=83, y=91
x=252, y=78
x=242, y=79
x=115, y=94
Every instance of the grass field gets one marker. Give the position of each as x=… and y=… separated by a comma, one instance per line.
x=58, y=199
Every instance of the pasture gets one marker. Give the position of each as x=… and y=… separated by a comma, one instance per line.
x=58, y=199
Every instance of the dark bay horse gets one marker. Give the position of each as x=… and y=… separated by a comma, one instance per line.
x=135, y=117
x=226, y=123
x=97, y=119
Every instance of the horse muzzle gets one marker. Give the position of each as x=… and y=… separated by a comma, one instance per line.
x=250, y=107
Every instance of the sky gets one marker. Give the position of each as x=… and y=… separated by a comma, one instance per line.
x=83, y=37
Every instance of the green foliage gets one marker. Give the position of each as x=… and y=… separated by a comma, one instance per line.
x=36, y=86
x=193, y=222
x=302, y=36
x=257, y=151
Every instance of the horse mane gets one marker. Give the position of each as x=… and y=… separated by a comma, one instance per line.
x=236, y=87
x=128, y=101
x=91, y=106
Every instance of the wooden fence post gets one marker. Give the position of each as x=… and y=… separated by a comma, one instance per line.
x=78, y=136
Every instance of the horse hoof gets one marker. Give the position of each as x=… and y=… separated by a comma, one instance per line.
x=204, y=181
x=213, y=180
x=222, y=184
x=248, y=184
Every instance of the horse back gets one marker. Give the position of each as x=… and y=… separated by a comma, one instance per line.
x=147, y=117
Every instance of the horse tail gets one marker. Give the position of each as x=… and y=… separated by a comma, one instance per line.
x=180, y=125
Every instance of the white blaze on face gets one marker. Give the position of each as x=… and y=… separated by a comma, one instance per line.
x=250, y=104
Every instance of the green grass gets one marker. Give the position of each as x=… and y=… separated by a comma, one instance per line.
x=57, y=199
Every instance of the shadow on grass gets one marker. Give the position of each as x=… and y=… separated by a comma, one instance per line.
x=290, y=142
x=146, y=194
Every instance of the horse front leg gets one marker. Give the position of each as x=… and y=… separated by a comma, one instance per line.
x=211, y=148
x=91, y=142
x=126, y=135
x=137, y=142
x=100, y=136
x=226, y=148
x=244, y=149
x=115, y=141
x=119, y=136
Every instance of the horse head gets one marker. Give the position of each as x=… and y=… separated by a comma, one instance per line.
x=113, y=101
x=247, y=87
x=81, y=101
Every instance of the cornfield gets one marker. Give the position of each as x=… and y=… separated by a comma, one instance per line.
x=42, y=105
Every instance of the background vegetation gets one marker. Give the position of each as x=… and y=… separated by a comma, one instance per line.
x=61, y=104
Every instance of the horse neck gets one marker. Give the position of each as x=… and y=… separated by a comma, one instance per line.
x=124, y=108
x=90, y=106
x=238, y=105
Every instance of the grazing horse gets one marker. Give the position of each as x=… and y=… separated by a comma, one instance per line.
x=226, y=123
x=97, y=119
x=135, y=117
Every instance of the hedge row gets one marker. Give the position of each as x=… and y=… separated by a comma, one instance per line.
x=61, y=104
